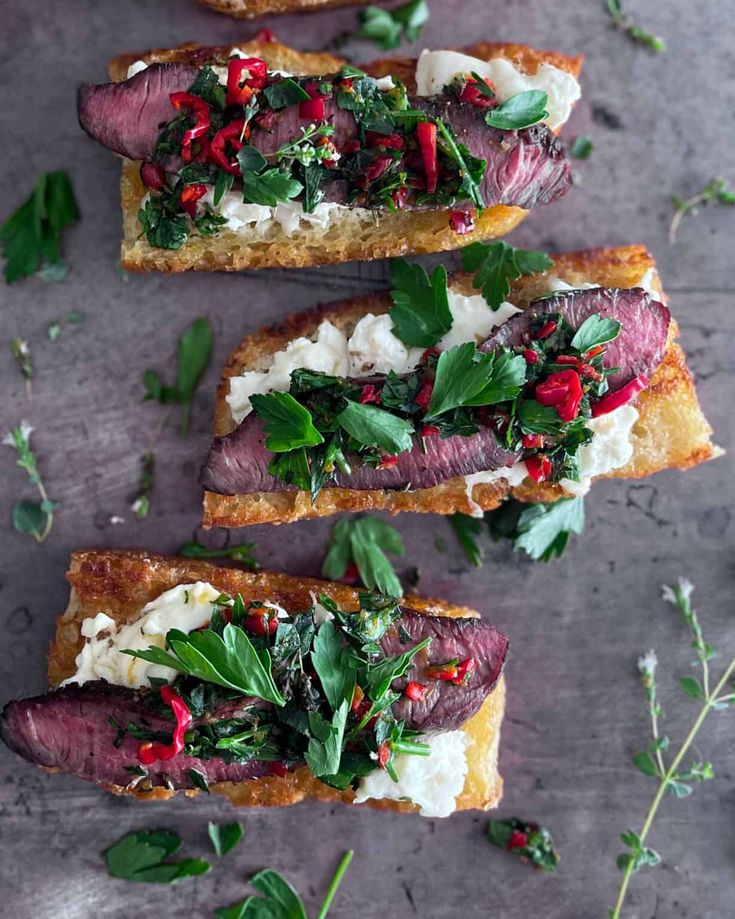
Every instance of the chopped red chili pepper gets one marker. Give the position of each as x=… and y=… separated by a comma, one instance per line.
x=357, y=698
x=265, y=35
x=190, y=194
x=429, y=430
x=430, y=352
x=399, y=197
x=376, y=169
x=563, y=390
x=389, y=141
x=152, y=176
x=568, y=359
x=548, y=328
x=313, y=110
x=350, y=146
x=517, y=840
x=415, y=691
x=539, y=467
x=245, y=75
x=384, y=754
x=369, y=393
x=426, y=134
x=462, y=222
x=588, y=372
x=530, y=356
x=465, y=669
x=278, y=768
x=351, y=575
x=388, y=461
x=620, y=397
x=229, y=138
x=533, y=441
x=423, y=397
x=202, y=123
x=149, y=752
x=472, y=95
x=598, y=349
x=443, y=672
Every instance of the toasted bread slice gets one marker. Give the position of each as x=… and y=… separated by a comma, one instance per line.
x=121, y=583
x=353, y=236
x=671, y=431
x=250, y=9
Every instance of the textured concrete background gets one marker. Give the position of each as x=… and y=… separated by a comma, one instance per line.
x=661, y=125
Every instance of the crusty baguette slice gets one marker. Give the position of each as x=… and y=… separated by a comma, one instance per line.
x=347, y=238
x=670, y=432
x=121, y=583
x=250, y=9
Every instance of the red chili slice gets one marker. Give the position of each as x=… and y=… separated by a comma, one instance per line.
x=376, y=169
x=190, y=194
x=384, y=753
x=368, y=394
x=202, y=123
x=399, y=197
x=546, y=329
x=533, y=441
x=229, y=138
x=415, y=691
x=423, y=397
x=245, y=75
x=539, y=467
x=472, y=95
x=429, y=430
x=149, y=752
x=620, y=397
x=426, y=134
x=279, y=769
x=518, y=840
x=465, y=669
x=530, y=356
x=313, y=110
x=445, y=673
x=462, y=222
x=389, y=141
x=261, y=622
x=563, y=390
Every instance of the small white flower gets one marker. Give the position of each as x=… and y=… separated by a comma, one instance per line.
x=647, y=663
x=683, y=591
x=114, y=519
x=685, y=588
x=26, y=429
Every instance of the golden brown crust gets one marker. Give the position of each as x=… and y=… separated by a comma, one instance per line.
x=250, y=9
x=120, y=583
x=671, y=431
x=356, y=236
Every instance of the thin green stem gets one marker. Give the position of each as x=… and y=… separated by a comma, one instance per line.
x=710, y=701
x=336, y=881
x=652, y=707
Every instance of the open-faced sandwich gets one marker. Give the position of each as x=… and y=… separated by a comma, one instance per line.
x=250, y=9
x=171, y=675
x=528, y=376
x=262, y=156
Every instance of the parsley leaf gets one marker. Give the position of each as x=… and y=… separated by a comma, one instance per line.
x=420, y=314
x=365, y=541
x=529, y=841
x=382, y=674
x=466, y=376
x=287, y=423
x=371, y=426
x=164, y=228
x=140, y=856
x=284, y=93
x=581, y=148
x=595, y=331
x=387, y=27
x=325, y=745
x=242, y=554
x=331, y=660
x=496, y=264
x=229, y=660
x=541, y=530
x=30, y=236
x=225, y=836
x=467, y=529
x=269, y=188
x=520, y=111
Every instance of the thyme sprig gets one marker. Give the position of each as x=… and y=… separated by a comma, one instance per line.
x=626, y=22
x=21, y=351
x=672, y=778
x=716, y=192
x=33, y=517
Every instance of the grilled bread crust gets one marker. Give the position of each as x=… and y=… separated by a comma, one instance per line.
x=250, y=9
x=670, y=432
x=122, y=582
x=349, y=237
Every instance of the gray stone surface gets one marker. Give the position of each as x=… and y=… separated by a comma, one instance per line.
x=661, y=124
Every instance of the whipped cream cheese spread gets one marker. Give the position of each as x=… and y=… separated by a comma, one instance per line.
x=431, y=782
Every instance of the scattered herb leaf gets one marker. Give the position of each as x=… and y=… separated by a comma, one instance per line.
x=582, y=147
x=467, y=529
x=529, y=841
x=541, y=530
x=625, y=22
x=139, y=856
x=225, y=836
x=142, y=502
x=33, y=517
x=716, y=192
x=496, y=264
x=388, y=27
x=242, y=554
x=365, y=541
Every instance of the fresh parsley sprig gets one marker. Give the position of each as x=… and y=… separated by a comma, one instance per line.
x=715, y=192
x=496, y=264
x=243, y=554
x=520, y=111
x=626, y=22
x=467, y=377
x=388, y=27
x=33, y=517
x=139, y=856
x=674, y=778
x=31, y=236
x=364, y=541
x=420, y=311
x=193, y=352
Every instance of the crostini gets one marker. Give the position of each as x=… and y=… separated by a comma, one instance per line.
x=250, y=9
x=171, y=675
x=262, y=156
x=451, y=395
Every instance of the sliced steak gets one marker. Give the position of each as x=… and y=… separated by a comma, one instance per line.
x=128, y=117
x=445, y=706
x=70, y=730
x=638, y=349
x=238, y=463
x=524, y=168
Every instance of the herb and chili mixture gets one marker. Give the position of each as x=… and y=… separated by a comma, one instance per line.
x=341, y=138
x=312, y=693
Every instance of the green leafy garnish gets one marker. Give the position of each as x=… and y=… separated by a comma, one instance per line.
x=374, y=426
x=325, y=744
x=288, y=425
x=230, y=660
x=582, y=147
x=192, y=356
x=32, y=517
x=31, y=235
x=520, y=111
x=595, y=331
x=467, y=377
x=467, y=529
x=331, y=660
x=139, y=856
x=625, y=22
x=365, y=541
x=387, y=27
x=270, y=187
x=716, y=192
x=381, y=675
x=528, y=841
x=163, y=225
x=284, y=93
x=242, y=554
x=541, y=530
x=496, y=264
x=225, y=836
x=420, y=312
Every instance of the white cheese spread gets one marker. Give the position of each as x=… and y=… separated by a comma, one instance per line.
x=610, y=448
x=513, y=475
x=431, y=782
x=437, y=69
